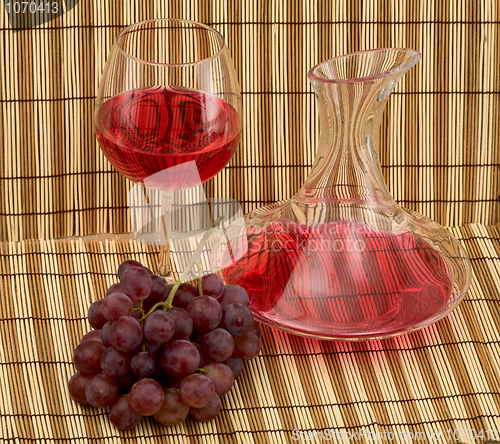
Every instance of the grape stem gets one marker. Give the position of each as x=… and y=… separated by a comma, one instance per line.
x=194, y=260
x=200, y=275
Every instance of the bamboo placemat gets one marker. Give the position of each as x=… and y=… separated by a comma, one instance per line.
x=440, y=155
x=440, y=144
x=444, y=377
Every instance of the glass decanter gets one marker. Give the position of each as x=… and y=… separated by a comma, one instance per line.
x=341, y=259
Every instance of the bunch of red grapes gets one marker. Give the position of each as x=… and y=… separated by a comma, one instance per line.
x=161, y=350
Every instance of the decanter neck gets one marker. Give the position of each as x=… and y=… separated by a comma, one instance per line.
x=346, y=167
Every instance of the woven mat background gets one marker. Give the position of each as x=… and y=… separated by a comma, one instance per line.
x=440, y=156
x=441, y=141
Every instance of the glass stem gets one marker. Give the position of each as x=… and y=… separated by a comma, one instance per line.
x=165, y=265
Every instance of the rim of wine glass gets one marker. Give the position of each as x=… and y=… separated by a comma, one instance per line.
x=415, y=57
x=190, y=22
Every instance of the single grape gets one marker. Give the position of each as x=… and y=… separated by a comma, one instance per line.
x=76, y=387
x=173, y=410
x=212, y=285
x=136, y=283
x=142, y=365
x=247, y=346
x=221, y=375
x=159, y=292
x=125, y=333
x=87, y=356
x=197, y=390
x=207, y=413
x=237, y=319
x=180, y=358
x=217, y=345
x=122, y=415
x=115, y=288
x=95, y=316
x=101, y=391
x=183, y=322
x=234, y=294
x=115, y=363
x=146, y=397
x=105, y=334
x=92, y=335
x=124, y=266
x=184, y=295
x=206, y=313
x=159, y=327
x=235, y=364
x=116, y=305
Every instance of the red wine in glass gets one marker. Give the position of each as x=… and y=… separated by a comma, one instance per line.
x=145, y=131
x=341, y=274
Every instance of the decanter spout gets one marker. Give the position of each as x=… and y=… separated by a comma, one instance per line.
x=352, y=91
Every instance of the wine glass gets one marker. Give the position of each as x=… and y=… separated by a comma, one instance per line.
x=167, y=110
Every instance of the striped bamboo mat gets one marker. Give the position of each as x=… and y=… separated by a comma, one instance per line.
x=440, y=130
x=437, y=380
